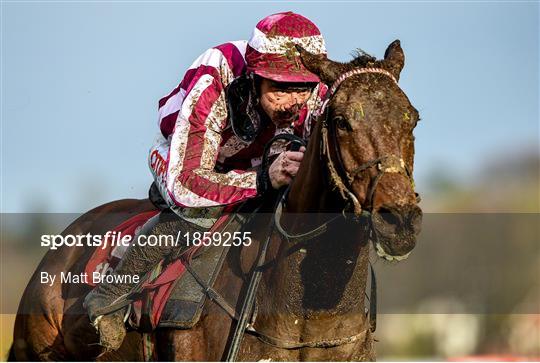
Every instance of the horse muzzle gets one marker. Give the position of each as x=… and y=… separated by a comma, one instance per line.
x=395, y=230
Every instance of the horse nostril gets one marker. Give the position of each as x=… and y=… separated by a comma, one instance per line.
x=392, y=220
x=389, y=216
x=386, y=220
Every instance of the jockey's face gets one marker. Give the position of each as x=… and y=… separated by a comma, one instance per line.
x=282, y=101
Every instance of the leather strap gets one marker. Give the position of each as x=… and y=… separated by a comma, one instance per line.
x=213, y=294
x=373, y=300
x=301, y=237
x=249, y=299
x=288, y=344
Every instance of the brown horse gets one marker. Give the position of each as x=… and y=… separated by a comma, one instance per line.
x=310, y=303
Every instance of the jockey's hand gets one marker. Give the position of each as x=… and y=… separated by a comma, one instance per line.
x=285, y=167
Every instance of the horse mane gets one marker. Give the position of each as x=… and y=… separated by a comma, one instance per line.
x=362, y=59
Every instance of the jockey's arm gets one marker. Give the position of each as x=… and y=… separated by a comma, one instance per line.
x=192, y=120
x=191, y=178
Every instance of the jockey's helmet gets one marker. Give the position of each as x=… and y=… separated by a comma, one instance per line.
x=271, y=51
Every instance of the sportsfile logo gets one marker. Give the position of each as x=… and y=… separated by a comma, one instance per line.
x=108, y=239
x=115, y=239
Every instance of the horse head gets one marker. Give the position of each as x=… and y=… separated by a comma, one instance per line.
x=367, y=138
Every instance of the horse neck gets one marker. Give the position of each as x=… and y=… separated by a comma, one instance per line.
x=317, y=290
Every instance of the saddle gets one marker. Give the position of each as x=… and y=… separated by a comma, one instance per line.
x=173, y=294
x=189, y=292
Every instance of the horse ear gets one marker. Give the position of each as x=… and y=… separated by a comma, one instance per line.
x=394, y=58
x=328, y=71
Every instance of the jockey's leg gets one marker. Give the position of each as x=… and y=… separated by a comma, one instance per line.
x=138, y=260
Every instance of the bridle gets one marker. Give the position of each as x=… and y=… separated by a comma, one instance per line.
x=384, y=164
x=340, y=178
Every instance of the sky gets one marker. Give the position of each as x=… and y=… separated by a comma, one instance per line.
x=80, y=83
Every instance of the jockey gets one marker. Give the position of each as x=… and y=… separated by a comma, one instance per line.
x=214, y=125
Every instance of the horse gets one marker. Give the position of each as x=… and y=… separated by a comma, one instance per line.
x=354, y=186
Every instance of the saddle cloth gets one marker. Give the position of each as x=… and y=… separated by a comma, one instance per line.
x=170, y=297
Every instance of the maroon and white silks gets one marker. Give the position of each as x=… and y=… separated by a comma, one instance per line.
x=197, y=161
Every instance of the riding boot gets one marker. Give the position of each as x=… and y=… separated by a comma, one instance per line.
x=138, y=260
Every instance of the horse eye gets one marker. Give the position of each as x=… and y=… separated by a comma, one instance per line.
x=342, y=124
